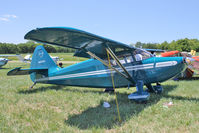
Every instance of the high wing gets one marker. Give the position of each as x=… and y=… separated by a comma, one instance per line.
x=77, y=39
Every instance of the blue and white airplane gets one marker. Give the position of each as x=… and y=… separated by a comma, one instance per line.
x=111, y=63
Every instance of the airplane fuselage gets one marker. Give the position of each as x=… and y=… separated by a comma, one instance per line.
x=3, y=61
x=92, y=73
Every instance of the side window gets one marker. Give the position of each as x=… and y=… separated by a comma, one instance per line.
x=114, y=63
x=129, y=59
x=122, y=59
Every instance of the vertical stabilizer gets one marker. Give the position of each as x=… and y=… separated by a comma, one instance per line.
x=41, y=59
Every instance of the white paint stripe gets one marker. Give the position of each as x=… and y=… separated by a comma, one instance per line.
x=107, y=71
x=164, y=64
x=100, y=72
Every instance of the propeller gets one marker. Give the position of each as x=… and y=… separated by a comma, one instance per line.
x=189, y=60
x=192, y=63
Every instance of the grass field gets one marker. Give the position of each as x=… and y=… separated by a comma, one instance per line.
x=53, y=108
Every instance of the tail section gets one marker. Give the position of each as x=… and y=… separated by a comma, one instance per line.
x=40, y=67
x=41, y=59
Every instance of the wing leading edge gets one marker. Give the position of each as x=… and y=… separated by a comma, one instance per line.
x=77, y=39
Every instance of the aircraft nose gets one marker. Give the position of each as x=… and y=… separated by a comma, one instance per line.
x=189, y=60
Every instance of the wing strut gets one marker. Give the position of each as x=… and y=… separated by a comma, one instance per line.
x=96, y=57
x=118, y=62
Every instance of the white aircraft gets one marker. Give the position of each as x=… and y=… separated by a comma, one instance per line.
x=28, y=58
x=55, y=58
x=4, y=61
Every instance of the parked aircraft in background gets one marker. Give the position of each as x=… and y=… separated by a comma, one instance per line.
x=111, y=64
x=4, y=61
x=55, y=58
x=28, y=58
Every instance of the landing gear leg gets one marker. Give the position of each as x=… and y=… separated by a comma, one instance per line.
x=150, y=88
x=158, y=89
x=109, y=90
x=32, y=85
x=140, y=95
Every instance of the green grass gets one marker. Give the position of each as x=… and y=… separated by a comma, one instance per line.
x=53, y=108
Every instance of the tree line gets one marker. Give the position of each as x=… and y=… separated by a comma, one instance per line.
x=180, y=45
x=28, y=47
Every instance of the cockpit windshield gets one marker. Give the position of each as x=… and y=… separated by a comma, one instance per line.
x=141, y=54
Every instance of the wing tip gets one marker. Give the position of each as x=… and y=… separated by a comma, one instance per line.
x=13, y=71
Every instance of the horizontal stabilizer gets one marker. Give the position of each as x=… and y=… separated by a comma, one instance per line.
x=19, y=71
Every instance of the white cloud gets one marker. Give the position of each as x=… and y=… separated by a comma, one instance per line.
x=3, y=19
x=7, y=17
x=10, y=16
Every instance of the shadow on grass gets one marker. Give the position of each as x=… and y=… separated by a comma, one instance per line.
x=40, y=89
x=182, y=98
x=4, y=68
x=192, y=78
x=59, y=87
x=100, y=117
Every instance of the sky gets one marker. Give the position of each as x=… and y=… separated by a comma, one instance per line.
x=126, y=21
